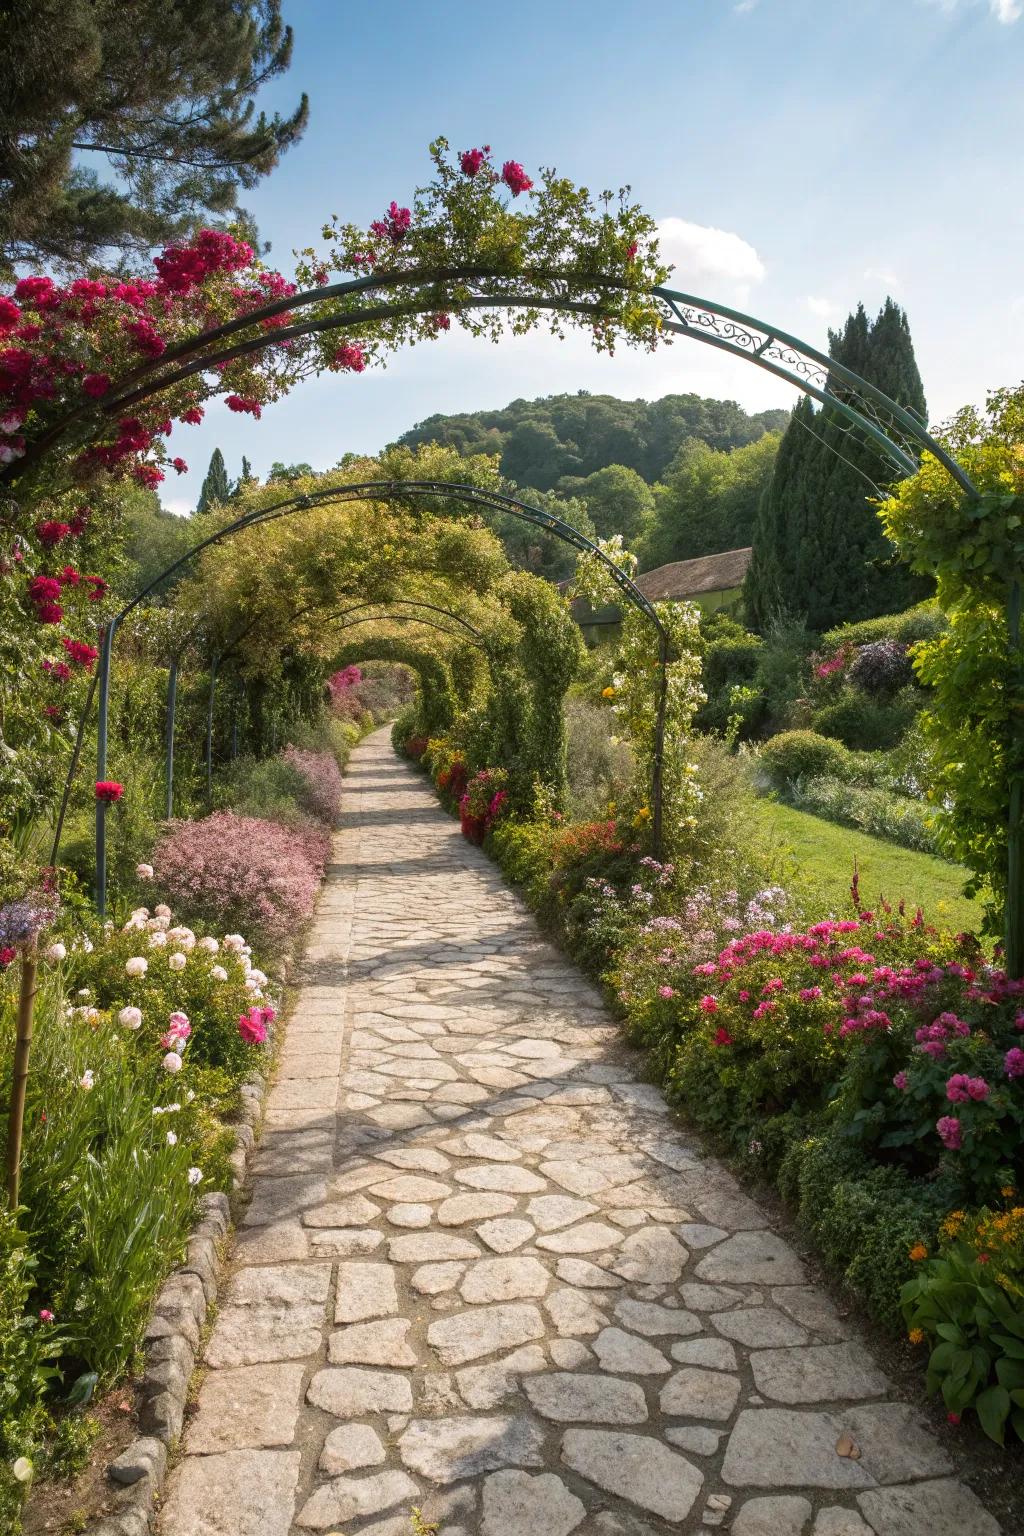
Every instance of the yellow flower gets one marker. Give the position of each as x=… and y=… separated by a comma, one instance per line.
x=643, y=814
x=916, y=1335
x=919, y=1251
x=607, y=693
x=1007, y=1191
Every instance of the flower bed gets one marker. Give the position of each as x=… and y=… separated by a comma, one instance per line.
x=143, y=1038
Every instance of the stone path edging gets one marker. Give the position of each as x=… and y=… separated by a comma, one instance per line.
x=484, y=1272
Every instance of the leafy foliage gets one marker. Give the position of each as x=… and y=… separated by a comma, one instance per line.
x=579, y=435
x=973, y=667
x=165, y=93
x=819, y=550
x=708, y=500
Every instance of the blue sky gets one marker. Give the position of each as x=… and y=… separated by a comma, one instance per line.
x=806, y=153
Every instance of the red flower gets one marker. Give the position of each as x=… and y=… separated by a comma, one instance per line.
x=244, y=403
x=10, y=314
x=395, y=224
x=96, y=384
x=631, y=251
x=470, y=160
x=350, y=357
x=99, y=588
x=49, y=613
x=69, y=577
x=252, y=1028
x=148, y=475
x=515, y=178
x=108, y=791
x=193, y=415
x=180, y=466
x=7, y=955
x=723, y=1037
x=80, y=651
x=147, y=338
x=50, y=533
x=441, y=322
x=43, y=589
x=37, y=292
x=58, y=669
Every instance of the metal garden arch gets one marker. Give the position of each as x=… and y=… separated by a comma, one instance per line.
x=897, y=433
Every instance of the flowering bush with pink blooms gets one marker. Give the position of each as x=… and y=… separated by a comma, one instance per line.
x=239, y=872
x=321, y=778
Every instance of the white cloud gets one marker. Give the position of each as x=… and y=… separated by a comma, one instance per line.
x=179, y=505
x=700, y=253
x=883, y=275
x=1017, y=306
x=1004, y=11
x=823, y=308
x=742, y=7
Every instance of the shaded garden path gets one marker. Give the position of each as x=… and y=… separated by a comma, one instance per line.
x=483, y=1272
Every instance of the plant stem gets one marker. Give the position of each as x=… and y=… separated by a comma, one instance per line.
x=19, y=1082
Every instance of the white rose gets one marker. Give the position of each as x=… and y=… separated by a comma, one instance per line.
x=57, y=951
x=209, y=944
x=172, y=1062
x=144, y=871
x=195, y=1175
x=130, y=1017
x=136, y=966
x=156, y=940
x=163, y=911
x=86, y=1080
x=258, y=977
x=172, y=1140
x=235, y=942
x=218, y=973
x=177, y=961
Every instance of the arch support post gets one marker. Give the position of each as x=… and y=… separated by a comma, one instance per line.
x=209, y=732
x=172, y=699
x=1014, y=914
x=658, y=756
x=101, y=766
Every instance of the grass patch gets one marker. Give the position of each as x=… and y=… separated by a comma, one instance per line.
x=814, y=860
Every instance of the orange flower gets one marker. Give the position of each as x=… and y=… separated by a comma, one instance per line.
x=916, y=1335
x=919, y=1251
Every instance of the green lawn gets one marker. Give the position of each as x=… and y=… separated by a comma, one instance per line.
x=814, y=860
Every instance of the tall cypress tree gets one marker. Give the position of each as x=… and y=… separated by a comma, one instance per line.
x=215, y=489
x=819, y=550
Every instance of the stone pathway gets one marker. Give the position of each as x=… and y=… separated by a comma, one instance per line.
x=485, y=1274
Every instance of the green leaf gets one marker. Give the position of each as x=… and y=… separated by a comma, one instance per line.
x=993, y=1408
x=1010, y=1374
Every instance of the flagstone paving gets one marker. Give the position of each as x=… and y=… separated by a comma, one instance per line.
x=485, y=1273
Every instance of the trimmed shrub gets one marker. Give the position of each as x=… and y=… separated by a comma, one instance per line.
x=242, y=873
x=803, y=754
x=871, y=724
x=922, y=622
x=864, y=1220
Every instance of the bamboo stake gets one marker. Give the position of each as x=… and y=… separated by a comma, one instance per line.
x=19, y=1082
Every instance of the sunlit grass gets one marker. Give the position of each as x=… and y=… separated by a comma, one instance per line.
x=814, y=859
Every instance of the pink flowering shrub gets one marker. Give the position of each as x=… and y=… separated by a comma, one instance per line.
x=242, y=873
x=321, y=777
x=907, y=1040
